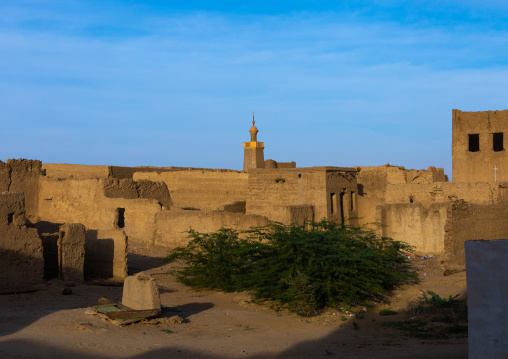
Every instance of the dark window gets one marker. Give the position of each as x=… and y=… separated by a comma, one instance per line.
x=332, y=202
x=411, y=199
x=474, y=142
x=352, y=201
x=10, y=218
x=120, y=220
x=497, y=141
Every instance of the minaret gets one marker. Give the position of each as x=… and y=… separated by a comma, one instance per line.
x=253, y=156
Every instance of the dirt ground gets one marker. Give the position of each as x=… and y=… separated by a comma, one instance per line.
x=47, y=324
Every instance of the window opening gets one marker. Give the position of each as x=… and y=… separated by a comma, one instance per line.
x=474, y=142
x=352, y=201
x=332, y=203
x=120, y=220
x=497, y=141
x=10, y=218
x=411, y=199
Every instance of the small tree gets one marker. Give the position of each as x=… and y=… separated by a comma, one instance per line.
x=324, y=265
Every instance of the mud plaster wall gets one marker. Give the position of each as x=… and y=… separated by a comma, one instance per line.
x=18, y=176
x=391, y=184
x=106, y=254
x=83, y=201
x=65, y=170
x=416, y=225
x=271, y=191
x=21, y=258
x=487, y=272
x=130, y=189
x=478, y=166
x=469, y=221
x=72, y=248
x=171, y=226
x=201, y=189
x=300, y=214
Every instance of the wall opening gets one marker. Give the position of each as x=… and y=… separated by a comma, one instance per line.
x=352, y=201
x=332, y=203
x=411, y=199
x=120, y=217
x=474, y=142
x=342, y=207
x=10, y=218
x=497, y=141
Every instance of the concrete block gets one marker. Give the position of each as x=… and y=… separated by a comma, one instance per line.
x=487, y=290
x=140, y=292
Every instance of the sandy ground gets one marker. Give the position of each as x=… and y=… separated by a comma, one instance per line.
x=47, y=324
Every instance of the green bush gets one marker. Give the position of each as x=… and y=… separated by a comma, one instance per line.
x=323, y=265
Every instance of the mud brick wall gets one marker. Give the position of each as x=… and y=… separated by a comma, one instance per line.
x=65, y=170
x=171, y=226
x=415, y=224
x=84, y=201
x=105, y=254
x=201, y=189
x=474, y=221
x=21, y=257
x=72, y=252
x=478, y=166
x=272, y=190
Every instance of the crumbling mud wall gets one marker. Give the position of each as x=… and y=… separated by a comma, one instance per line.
x=474, y=221
x=130, y=189
x=105, y=254
x=201, y=189
x=171, y=226
x=392, y=184
x=331, y=191
x=479, y=142
x=22, y=176
x=300, y=214
x=21, y=258
x=65, y=170
x=271, y=164
x=84, y=201
x=415, y=224
x=71, y=243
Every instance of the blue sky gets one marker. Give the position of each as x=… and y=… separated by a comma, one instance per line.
x=167, y=83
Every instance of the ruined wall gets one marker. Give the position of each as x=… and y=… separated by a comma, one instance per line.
x=21, y=257
x=271, y=164
x=171, y=226
x=130, y=189
x=392, y=184
x=71, y=244
x=471, y=221
x=22, y=176
x=66, y=170
x=271, y=191
x=446, y=191
x=106, y=254
x=84, y=201
x=300, y=214
x=201, y=189
x=415, y=224
x=474, y=162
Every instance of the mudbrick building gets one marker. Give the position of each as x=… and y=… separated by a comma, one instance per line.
x=75, y=221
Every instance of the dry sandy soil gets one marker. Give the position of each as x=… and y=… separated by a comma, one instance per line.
x=47, y=324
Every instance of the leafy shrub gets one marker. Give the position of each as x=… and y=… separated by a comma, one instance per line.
x=387, y=312
x=436, y=300
x=323, y=265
